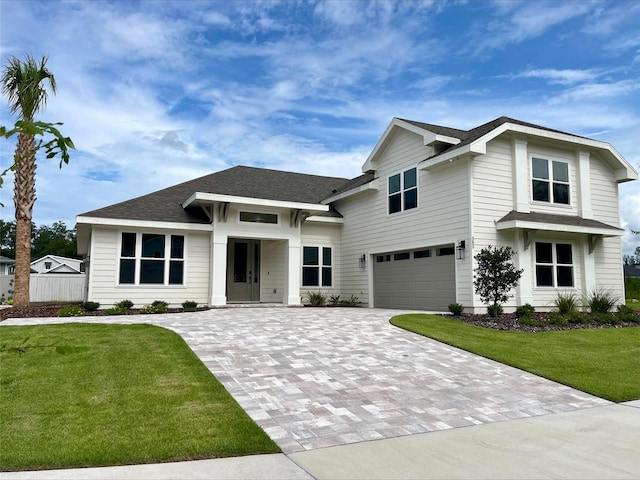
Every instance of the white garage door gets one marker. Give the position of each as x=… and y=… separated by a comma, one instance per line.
x=422, y=279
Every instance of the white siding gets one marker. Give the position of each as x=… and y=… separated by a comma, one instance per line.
x=609, y=271
x=604, y=193
x=272, y=279
x=103, y=270
x=442, y=216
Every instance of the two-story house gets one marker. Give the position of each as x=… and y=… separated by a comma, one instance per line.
x=402, y=235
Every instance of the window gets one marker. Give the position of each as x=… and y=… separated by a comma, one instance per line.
x=47, y=265
x=146, y=260
x=554, y=265
x=550, y=181
x=402, y=256
x=316, y=267
x=443, y=251
x=422, y=254
x=383, y=258
x=258, y=217
x=403, y=191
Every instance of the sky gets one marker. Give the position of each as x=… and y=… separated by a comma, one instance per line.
x=155, y=93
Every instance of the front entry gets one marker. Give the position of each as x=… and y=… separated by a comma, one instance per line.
x=243, y=270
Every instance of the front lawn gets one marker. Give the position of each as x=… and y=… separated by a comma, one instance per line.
x=90, y=395
x=604, y=362
x=635, y=304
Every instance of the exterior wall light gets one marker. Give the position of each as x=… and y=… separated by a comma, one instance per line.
x=362, y=261
x=460, y=248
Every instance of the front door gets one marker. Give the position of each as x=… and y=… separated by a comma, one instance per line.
x=243, y=270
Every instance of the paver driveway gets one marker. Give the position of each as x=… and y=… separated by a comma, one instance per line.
x=315, y=378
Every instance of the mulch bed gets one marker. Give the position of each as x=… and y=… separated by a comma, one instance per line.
x=504, y=322
x=512, y=323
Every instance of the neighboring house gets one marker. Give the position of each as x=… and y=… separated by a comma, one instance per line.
x=632, y=271
x=402, y=235
x=56, y=264
x=7, y=265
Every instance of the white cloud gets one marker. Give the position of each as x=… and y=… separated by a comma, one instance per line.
x=559, y=76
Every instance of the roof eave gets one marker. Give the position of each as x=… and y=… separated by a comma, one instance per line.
x=558, y=227
x=624, y=172
x=373, y=185
x=203, y=198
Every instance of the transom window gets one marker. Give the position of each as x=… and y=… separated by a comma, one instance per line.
x=550, y=181
x=151, y=259
x=403, y=191
x=258, y=217
x=554, y=265
x=316, y=267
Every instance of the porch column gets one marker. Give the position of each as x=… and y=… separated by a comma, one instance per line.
x=292, y=268
x=218, y=269
x=588, y=267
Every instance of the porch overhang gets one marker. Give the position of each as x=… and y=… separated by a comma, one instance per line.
x=556, y=223
x=204, y=199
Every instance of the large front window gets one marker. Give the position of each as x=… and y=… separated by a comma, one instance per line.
x=554, y=265
x=403, y=191
x=550, y=181
x=316, y=267
x=151, y=259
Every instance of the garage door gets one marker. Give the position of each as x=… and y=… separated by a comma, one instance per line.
x=422, y=279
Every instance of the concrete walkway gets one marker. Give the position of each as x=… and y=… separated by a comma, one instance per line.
x=317, y=378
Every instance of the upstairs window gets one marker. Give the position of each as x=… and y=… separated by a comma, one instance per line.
x=550, y=181
x=403, y=191
x=554, y=265
x=316, y=267
x=151, y=259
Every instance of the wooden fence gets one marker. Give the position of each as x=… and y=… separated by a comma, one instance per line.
x=50, y=287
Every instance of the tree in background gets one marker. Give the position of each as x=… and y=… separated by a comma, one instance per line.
x=56, y=239
x=495, y=277
x=22, y=84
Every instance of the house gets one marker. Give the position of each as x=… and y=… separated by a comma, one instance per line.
x=403, y=234
x=56, y=264
x=7, y=265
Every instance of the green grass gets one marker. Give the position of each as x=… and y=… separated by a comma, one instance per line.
x=110, y=395
x=603, y=362
x=635, y=304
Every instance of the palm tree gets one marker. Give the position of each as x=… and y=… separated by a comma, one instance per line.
x=22, y=85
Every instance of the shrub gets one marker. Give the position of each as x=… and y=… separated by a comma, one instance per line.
x=91, y=306
x=70, y=311
x=576, y=317
x=124, y=304
x=158, y=306
x=189, y=305
x=495, y=276
x=532, y=322
x=601, y=301
x=566, y=302
x=626, y=314
x=115, y=311
x=525, y=311
x=352, y=301
x=495, y=310
x=334, y=300
x=608, y=318
x=558, y=319
x=316, y=299
x=456, y=308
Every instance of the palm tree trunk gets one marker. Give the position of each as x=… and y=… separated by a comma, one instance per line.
x=24, y=198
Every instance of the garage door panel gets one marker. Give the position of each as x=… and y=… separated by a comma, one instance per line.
x=423, y=283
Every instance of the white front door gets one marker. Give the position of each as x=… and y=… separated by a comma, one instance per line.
x=243, y=270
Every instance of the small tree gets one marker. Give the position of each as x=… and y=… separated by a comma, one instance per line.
x=495, y=276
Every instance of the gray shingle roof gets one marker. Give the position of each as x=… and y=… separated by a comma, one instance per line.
x=575, y=221
x=166, y=205
x=468, y=136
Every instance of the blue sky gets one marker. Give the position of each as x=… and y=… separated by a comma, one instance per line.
x=155, y=93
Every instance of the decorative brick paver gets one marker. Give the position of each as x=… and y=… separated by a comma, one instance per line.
x=316, y=378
